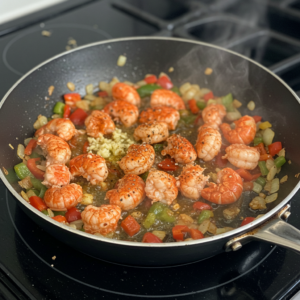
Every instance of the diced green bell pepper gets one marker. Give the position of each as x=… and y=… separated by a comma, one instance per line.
x=227, y=101
x=257, y=140
x=166, y=215
x=201, y=104
x=261, y=181
x=35, y=155
x=147, y=90
x=279, y=161
x=22, y=171
x=42, y=192
x=188, y=119
x=158, y=147
x=59, y=213
x=37, y=184
x=205, y=214
x=45, y=212
x=263, y=168
x=175, y=89
x=157, y=208
x=59, y=108
x=149, y=221
x=144, y=175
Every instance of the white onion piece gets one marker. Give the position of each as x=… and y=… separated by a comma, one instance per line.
x=268, y=136
x=184, y=88
x=284, y=179
x=251, y=105
x=269, y=164
x=203, y=227
x=274, y=185
x=256, y=187
x=77, y=223
x=272, y=173
x=121, y=60
x=160, y=234
x=233, y=115
x=267, y=186
x=20, y=151
x=271, y=198
x=281, y=152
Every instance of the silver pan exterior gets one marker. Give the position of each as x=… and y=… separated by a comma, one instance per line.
x=246, y=79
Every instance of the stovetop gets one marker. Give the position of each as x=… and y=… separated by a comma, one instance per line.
x=33, y=264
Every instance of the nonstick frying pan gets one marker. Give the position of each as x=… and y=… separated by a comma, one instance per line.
x=246, y=79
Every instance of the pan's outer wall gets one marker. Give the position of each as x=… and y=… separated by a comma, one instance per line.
x=231, y=73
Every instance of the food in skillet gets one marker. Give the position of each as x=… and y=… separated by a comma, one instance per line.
x=150, y=162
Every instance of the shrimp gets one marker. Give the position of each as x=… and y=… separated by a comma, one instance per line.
x=244, y=132
x=209, y=142
x=228, y=189
x=123, y=110
x=123, y=91
x=191, y=181
x=166, y=97
x=99, y=123
x=166, y=114
x=56, y=150
x=161, y=186
x=64, y=128
x=213, y=115
x=138, y=160
x=57, y=175
x=129, y=192
x=242, y=156
x=180, y=149
x=63, y=198
x=152, y=132
x=103, y=219
x=90, y=166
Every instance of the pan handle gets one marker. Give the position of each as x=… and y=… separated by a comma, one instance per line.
x=274, y=231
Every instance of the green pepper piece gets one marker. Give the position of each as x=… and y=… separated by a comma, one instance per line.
x=22, y=171
x=144, y=175
x=184, y=113
x=97, y=107
x=166, y=216
x=147, y=90
x=59, y=213
x=261, y=181
x=227, y=101
x=175, y=89
x=149, y=221
x=263, y=168
x=35, y=155
x=32, y=192
x=156, y=208
x=158, y=147
x=37, y=184
x=45, y=212
x=188, y=119
x=42, y=192
x=59, y=108
x=201, y=104
x=279, y=161
x=205, y=214
x=257, y=140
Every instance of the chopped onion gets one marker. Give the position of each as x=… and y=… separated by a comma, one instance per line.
x=274, y=185
x=77, y=223
x=203, y=227
x=87, y=199
x=268, y=136
x=89, y=89
x=50, y=213
x=20, y=151
x=271, y=198
x=281, y=152
x=25, y=183
x=202, y=92
x=189, y=94
x=259, y=216
x=256, y=187
x=71, y=86
x=30, y=193
x=278, y=170
x=233, y=115
x=257, y=129
x=236, y=103
x=196, y=86
x=128, y=83
x=55, y=116
x=258, y=203
x=83, y=104
x=104, y=86
x=136, y=214
x=114, y=81
x=141, y=83
x=121, y=60
x=89, y=97
x=26, y=141
x=160, y=234
x=24, y=196
x=262, y=195
x=272, y=173
x=212, y=228
x=269, y=164
x=284, y=179
x=43, y=168
x=267, y=186
x=208, y=71
x=223, y=230
x=251, y=105
x=211, y=102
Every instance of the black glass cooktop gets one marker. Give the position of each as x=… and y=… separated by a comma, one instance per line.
x=33, y=264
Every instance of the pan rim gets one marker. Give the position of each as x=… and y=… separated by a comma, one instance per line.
x=227, y=235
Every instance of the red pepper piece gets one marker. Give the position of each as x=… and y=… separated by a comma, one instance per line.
x=150, y=79
x=255, y=176
x=168, y=165
x=275, y=148
x=265, y=157
x=165, y=82
x=60, y=219
x=102, y=94
x=201, y=206
x=246, y=175
x=220, y=162
x=197, y=121
x=37, y=203
x=248, y=186
x=178, y=232
x=196, y=234
x=193, y=106
x=67, y=111
x=247, y=221
x=36, y=172
x=73, y=214
x=71, y=99
x=209, y=95
x=31, y=145
x=78, y=116
x=261, y=148
x=257, y=118
x=151, y=238
x=130, y=226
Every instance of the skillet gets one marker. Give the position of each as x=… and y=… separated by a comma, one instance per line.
x=245, y=79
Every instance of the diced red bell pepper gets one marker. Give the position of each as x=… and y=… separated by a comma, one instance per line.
x=196, y=234
x=168, y=165
x=220, y=162
x=114, y=171
x=257, y=118
x=150, y=79
x=193, y=106
x=31, y=145
x=37, y=203
x=255, y=176
x=102, y=94
x=165, y=82
x=71, y=99
x=178, y=232
x=209, y=95
x=201, y=206
x=73, y=214
x=275, y=148
x=60, y=219
x=78, y=116
x=246, y=175
x=36, y=172
x=197, y=120
x=261, y=148
x=248, y=186
x=265, y=157
x=67, y=111
x=247, y=221
x=130, y=225
x=151, y=238
x=85, y=147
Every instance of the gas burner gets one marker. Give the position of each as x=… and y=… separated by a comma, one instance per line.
x=39, y=47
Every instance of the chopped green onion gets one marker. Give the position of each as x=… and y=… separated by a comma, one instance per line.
x=263, y=169
x=279, y=161
x=227, y=102
x=149, y=221
x=201, y=104
x=257, y=140
x=158, y=147
x=175, y=89
x=59, y=108
x=22, y=171
x=260, y=180
x=205, y=214
x=147, y=90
